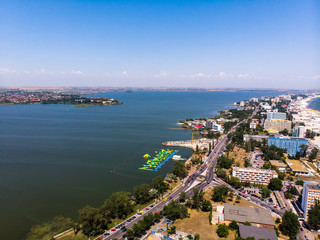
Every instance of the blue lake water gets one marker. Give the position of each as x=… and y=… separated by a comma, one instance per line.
x=315, y=104
x=54, y=159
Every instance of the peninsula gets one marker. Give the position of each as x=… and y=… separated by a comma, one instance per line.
x=53, y=97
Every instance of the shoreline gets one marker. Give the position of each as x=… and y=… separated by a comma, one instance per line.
x=310, y=117
x=310, y=102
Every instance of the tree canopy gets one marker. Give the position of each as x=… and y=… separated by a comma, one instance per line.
x=180, y=170
x=175, y=211
x=223, y=230
x=289, y=225
x=275, y=184
x=220, y=193
x=314, y=216
x=141, y=193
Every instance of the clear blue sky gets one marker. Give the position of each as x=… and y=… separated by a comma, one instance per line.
x=262, y=43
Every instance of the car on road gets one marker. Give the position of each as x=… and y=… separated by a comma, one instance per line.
x=123, y=229
x=147, y=208
x=113, y=230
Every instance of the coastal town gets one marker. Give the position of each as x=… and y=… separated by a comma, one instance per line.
x=254, y=174
x=18, y=96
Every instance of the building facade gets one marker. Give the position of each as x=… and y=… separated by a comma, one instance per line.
x=276, y=115
x=310, y=194
x=277, y=125
x=259, y=138
x=254, y=175
x=298, y=132
x=291, y=144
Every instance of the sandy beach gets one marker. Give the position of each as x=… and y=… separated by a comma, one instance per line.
x=310, y=117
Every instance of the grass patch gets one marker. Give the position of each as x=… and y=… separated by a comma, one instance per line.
x=72, y=236
x=198, y=222
x=239, y=154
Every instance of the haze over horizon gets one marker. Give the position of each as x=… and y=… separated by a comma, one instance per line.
x=200, y=44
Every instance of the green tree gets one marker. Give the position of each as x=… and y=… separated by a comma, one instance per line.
x=197, y=149
x=157, y=216
x=220, y=193
x=183, y=196
x=233, y=225
x=206, y=206
x=118, y=205
x=92, y=222
x=142, y=193
x=160, y=185
x=299, y=182
x=284, y=132
x=230, y=196
x=247, y=163
x=180, y=170
x=265, y=192
x=266, y=165
x=235, y=182
x=221, y=174
x=172, y=230
x=290, y=192
x=223, y=230
x=281, y=175
x=129, y=233
x=175, y=211
x=197, y=236
x=275, y=184
x=314, y=216
x=303, y=149
x=289, y=225
x=138, y=227
x=148, y=219
x=197, y=197
x=238, y=199
x=224, y=162
x=247, y=223
x=313, y=154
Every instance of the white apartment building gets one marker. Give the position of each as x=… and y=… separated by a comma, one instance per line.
x=310, y=193
x=210, y=123
x=254, y=175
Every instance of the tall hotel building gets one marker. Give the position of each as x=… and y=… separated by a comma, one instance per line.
x=311, y=193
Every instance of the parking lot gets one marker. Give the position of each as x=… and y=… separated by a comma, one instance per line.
x=256, y=159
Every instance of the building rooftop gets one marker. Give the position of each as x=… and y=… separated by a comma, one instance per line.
x=257, y=233
x=278, y=120
x=250, y=214
x=314, y=187
x=277, y=163
x=257, y=170
x=296, y=166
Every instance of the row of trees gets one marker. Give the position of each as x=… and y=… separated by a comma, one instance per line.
x=143, y=225
x=94, y=221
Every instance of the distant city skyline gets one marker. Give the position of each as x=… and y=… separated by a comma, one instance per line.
x=198, y=44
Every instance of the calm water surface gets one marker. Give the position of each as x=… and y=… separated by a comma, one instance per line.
x=315, y=104
x=54, y=159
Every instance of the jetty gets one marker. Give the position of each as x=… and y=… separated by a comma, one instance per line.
x=192, y=144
